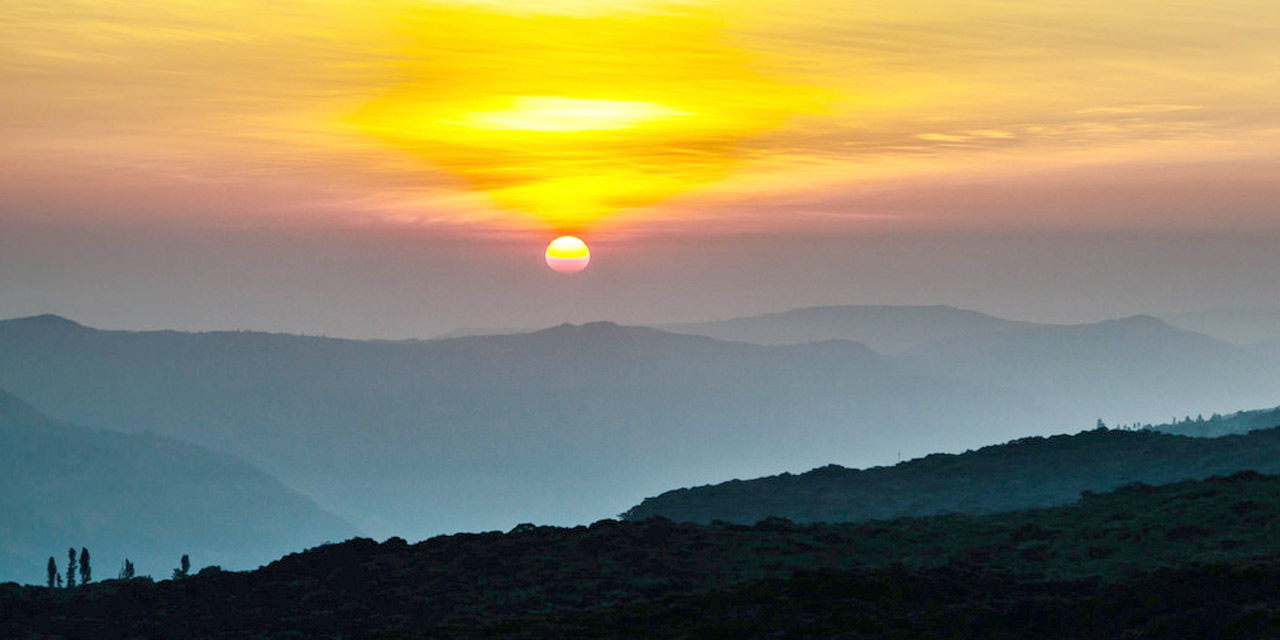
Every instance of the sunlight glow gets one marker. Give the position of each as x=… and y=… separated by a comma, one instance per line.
x=568, y=114
x=564, y=120
x=579, y=8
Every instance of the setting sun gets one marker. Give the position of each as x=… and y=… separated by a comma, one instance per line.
x=567, y=254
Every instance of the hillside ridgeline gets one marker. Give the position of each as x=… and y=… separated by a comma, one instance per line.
x=620, y=579
x=1024, y=473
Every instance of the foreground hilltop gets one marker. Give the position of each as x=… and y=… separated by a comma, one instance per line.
x=1024, y=473
x=1121, y=556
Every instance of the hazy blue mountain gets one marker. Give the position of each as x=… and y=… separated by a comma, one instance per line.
x=141, y=496
x=573, y=423
x=1238, y=325
x=887, y=329
x=1025, y=473
x=564, y=425
x=471, y=332
x=1220, y=425
x=1267, y=349
x=1133, y=369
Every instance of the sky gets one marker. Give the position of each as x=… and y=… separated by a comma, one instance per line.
x=395, y=168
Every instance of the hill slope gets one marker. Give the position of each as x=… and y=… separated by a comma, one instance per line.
x=543, y=582
x=1031, y=472
x=144, y=497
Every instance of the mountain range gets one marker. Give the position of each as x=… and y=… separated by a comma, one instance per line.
x=562, y=425
x=571, y=423
x=887, y=329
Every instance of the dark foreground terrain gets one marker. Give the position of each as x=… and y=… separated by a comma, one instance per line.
x=1192, y=559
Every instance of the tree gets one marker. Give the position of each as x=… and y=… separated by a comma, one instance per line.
x=184, y=569
x=71, y=568
x=53, y=572
x=86, y=572
x=126, y=572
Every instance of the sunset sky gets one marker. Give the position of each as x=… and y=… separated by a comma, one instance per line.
x=395, y=168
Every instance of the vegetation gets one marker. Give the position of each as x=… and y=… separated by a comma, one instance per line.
x=1220, y=425
x=86, y=572
x=1029, y=472
x=127, y=571
x=1141, y=558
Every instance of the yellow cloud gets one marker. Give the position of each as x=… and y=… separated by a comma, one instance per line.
x=565, y=112
x=572, y=118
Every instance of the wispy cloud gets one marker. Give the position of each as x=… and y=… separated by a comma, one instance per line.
x=370, y=105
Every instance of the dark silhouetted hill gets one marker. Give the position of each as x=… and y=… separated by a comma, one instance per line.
x=887, y=329
x=145, y=497
x=1199, y=555
x=1030, y=472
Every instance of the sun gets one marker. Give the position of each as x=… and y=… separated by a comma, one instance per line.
x=568, y=254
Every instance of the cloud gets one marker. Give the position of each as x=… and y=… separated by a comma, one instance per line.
x=366, y=103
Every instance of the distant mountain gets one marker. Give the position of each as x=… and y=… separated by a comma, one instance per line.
x=1266, y=348
x=570, y=423
x=1142, y=559
x=1120, y=370
x=562, y=425
x=1220, y=425
x=470, y=332
x=1238, y=325
x=1025, y=473
x=887, y=329
x=145, y=497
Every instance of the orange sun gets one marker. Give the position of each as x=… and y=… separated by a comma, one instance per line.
x=568, y=254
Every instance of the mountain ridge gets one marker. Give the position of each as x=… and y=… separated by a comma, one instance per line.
x=1031, y=472
x=428, y=433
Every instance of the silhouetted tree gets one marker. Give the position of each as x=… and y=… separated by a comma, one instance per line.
x=184, y=568
x=86, y=572
x=126, y=572
x=53, y=572
x=71, y=568
x=59, y=576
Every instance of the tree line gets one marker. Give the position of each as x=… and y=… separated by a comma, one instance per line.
x=81, y=564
